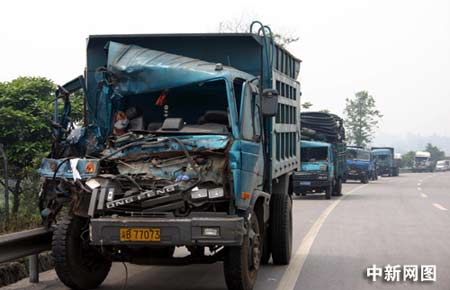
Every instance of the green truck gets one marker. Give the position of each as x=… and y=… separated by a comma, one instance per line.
x=322, y=155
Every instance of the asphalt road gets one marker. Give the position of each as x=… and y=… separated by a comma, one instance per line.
x=397, y=220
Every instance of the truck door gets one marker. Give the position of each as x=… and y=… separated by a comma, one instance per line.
x=250, y=123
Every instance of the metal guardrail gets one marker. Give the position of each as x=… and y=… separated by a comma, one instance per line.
x=26, y=243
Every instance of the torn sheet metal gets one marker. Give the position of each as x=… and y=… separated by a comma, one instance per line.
x=140, y=70
x=192, y=143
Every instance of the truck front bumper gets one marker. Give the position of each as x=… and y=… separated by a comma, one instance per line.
x=301, y=184
x=186, y=231
x=355, y=175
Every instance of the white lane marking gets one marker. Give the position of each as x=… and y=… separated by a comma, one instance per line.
x=419, y=189
x=438, y=206
x=294, y=269
x=424, y=195
x=419, y=184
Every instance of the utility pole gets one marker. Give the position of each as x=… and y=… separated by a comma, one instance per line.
x=5, y=167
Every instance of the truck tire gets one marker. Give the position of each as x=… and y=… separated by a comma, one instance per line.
x=365, y=179
x=266, y=250
x=77, y=265
x=241, y=263
x=281, y=228
x=329, y=191
x=338, y=188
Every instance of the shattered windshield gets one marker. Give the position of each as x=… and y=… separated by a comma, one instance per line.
x=203, y=107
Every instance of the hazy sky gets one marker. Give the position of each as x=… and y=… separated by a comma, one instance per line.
x=398, y=50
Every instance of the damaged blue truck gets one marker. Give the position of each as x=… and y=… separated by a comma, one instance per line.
x=187, y=140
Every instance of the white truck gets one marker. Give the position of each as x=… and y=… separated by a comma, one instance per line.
x=422, y=162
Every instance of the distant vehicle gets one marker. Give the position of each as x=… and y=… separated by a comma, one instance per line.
x=321, y=168
x=322, y=157
x=443, y=165
x=358, y=164
x=386, y=162
x=373, y=168
x=422, y=162
x=398, y=160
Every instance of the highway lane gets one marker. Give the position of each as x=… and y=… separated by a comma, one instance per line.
x=386, y=222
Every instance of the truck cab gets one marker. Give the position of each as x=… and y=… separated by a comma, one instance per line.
x=358, y=164
x=176, y=150
x=386, y=162
x=422, y=162
x=316, y=172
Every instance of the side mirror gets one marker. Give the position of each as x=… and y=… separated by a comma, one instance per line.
x=269, y=102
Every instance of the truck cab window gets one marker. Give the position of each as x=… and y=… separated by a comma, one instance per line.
x=246, y=114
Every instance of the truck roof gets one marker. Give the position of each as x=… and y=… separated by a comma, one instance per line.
x=137, y=38
x=146, y=70
x=424, y=154
x=381, y=151
x=314, y=144
x=239, y=50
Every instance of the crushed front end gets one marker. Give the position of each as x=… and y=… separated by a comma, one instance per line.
x=152, y=169
x=147, y=190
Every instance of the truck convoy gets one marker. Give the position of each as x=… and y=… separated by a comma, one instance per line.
x=387, y=164
x=176, y=149
x=322, y=155
x=422, y=162
x=359, y=165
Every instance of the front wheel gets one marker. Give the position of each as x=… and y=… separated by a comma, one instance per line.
x=338, y=188
x=329, y=191
x=78, y=265
x=281, y=228
x=365, y=179
x=241, y=263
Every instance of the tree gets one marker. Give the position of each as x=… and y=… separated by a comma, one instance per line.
x=436, y=153
x=306, y=105
x=242, y=25
x=408, y=159
x=361, y=117
x=25, y=105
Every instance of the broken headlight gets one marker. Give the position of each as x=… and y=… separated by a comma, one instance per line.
x=212, y=193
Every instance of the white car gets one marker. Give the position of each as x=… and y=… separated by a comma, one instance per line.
x=443, y=165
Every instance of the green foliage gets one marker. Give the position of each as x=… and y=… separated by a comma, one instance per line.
x=307, y=105
x=26, y=105
x=361, y=118
x=24, y=110
x=436, y=153
x=408, y=159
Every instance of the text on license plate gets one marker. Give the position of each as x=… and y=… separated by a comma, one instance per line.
x=305, y=182
x=140, y=235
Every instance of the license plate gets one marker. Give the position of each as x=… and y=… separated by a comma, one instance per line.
x=140, y=235
x=305, y=182
x=354, y=172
